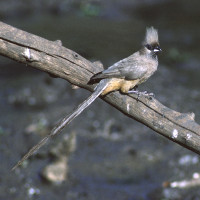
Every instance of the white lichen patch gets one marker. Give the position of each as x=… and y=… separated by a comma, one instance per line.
x=188, y=136
x=128, y=107
x=27, y=53
x=175, y=133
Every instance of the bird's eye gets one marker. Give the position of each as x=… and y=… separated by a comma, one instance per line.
x=148, y=46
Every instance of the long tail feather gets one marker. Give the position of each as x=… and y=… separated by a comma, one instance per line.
x=66, y=120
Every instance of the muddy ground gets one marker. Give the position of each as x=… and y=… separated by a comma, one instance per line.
x=104, y=154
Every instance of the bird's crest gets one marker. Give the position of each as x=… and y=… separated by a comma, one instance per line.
x=151, y=36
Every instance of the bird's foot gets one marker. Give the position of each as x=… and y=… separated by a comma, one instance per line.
x=144, y=93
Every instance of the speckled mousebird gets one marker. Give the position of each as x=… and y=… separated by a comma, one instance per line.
x=123, y=75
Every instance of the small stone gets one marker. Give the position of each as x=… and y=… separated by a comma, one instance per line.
x=56, y=172
x=33, y=191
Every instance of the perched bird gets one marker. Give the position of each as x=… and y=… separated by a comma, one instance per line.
x=123, y=75
x=133, y=70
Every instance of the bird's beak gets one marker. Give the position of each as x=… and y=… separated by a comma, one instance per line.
x=157, y=49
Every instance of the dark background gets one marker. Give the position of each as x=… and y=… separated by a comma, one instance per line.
x=114, y=157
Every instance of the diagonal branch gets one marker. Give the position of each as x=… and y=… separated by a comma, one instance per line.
x=53, y=58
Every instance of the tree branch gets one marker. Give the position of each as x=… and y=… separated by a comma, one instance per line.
x=53, y=58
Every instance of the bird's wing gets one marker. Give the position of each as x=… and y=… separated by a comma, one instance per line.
x=130, y=68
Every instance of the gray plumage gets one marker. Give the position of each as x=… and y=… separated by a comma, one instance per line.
x=140, y=65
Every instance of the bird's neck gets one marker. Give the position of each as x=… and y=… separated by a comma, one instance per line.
x=154, y=56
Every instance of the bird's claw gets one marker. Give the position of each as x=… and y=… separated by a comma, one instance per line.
x=145, y=93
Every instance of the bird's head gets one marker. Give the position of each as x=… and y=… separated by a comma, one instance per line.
x=151, y=43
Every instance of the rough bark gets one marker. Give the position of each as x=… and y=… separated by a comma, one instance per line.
x=53, y=58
